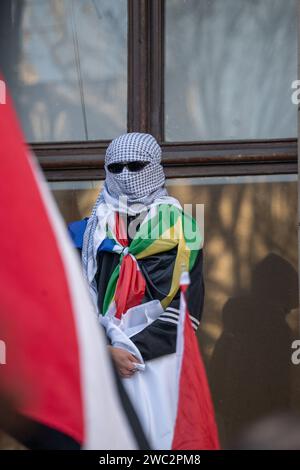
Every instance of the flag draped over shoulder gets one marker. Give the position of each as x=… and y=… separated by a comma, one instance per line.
x=164, y=227
x=57, y=369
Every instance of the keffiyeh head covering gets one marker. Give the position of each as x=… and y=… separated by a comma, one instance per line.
x=141, y=186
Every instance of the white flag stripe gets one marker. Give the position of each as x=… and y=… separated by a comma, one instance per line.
x=180, y=341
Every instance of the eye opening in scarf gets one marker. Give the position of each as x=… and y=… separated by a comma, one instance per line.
x=134, y=166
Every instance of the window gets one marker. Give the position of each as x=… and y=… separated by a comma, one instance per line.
x=68, y=72
x=229, y=69
x=212, y=82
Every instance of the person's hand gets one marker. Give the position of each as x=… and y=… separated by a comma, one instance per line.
x=124, y=361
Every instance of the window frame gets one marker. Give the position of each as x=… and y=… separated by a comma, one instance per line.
x=71, y=161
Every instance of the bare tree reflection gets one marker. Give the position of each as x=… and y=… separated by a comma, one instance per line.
x=65, y=62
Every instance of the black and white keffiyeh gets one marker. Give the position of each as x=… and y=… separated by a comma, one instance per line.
x=139, y=187
x=127, y=191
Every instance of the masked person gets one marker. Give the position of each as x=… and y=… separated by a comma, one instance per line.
x=134, y=247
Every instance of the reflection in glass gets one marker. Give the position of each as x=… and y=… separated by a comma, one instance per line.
x=229, y=69
x=65, y=62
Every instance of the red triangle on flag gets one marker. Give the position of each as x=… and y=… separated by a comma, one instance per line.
x=195, y=426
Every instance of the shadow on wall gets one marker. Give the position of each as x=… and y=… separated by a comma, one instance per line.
x=250, y=367
x=277, y=432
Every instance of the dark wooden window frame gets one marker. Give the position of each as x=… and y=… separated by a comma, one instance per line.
x=68, y=161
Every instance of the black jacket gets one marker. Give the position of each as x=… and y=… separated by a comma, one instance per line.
x=159, y=338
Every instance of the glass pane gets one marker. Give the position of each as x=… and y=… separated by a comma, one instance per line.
x=229, y=69
x=251, y=314
x=66, y=64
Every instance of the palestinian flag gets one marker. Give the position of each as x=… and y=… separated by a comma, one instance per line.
x=171, y=394
x=195, y=426
x=57, y=372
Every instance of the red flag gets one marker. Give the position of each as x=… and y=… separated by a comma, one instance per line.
x=57, y=361
x=195, y=426
x=130, y=288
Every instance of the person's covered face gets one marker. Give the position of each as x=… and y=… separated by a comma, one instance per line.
x=133, y=167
